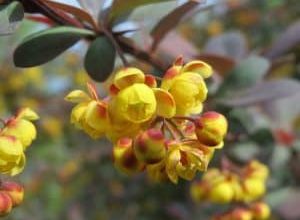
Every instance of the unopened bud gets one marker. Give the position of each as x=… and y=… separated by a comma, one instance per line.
x=211, y=128
x=14, y=190
x=124, y=157
x=149, y=146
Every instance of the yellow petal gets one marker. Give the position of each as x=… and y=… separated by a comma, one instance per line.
x=200, y=67
x=10, y=148
x=172, y=160
x=19, y=166
x=77, y=113
x=28, y=114
x=77, y=96
x=127, y=77
x=96, y=116
x=166, y=106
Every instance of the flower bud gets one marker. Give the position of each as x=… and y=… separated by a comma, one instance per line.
x=198, y=191
x=124, y=157
x=221, y=193
x=255, y=169
x=14, y=190
x=211, y=128
x=253, y=188
x=241, y=214
x=5, y=204
x=260, y=211
x=149, y=146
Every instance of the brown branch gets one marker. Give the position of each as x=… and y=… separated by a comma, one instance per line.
x=145, y=56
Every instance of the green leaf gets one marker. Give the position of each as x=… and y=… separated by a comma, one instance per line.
x=100, y=59
x=10, y=17
x=45, y=45
x=120, y=7
x=247, y=73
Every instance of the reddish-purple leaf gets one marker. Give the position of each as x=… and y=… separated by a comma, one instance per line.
x=171, y=20
x=221, y=64
x=263, y=92
x=76, y=12
x=286, y=41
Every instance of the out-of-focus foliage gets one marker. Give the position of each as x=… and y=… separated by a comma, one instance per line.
x=254, y=47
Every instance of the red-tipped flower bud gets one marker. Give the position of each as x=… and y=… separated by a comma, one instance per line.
x=124, y=157
x=149, y=146
x=14, y=190
x=5, y=203
x=241, y=214
x=211, y=128
x=260, y=211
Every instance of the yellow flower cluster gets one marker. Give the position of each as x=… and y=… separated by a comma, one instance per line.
x=255, y=211
x=246, y=185
x=16, y=135
x=151, y=126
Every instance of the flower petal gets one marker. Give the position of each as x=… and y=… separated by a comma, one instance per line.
x=77, y=96
x=128, y=76
x=200, y=67
x=166, y=106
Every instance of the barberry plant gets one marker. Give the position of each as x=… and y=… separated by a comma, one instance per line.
x=155, y=118
x=154, y=126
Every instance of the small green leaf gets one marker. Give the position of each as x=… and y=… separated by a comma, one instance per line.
x=244, y=75
x=44, y=46
x=121, y=7
x=100, y=59
x=10, y=17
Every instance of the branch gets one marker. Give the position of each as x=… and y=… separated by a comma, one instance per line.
x=129, y=47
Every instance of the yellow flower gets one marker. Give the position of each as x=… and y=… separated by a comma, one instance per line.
x=186, y=85
x=189, y=92
x=221, y=192
x=12, y=158
x=135, y=103
x=184, y=161
x=21, y=127
x=253, y=189
x=255, y=169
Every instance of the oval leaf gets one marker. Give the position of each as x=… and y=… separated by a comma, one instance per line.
x=10, y=17
x=171, y=20
x=263, y=92
x=100, y=59
x=77, y=12
x=247, y=73
x=44, y=46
